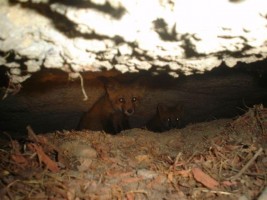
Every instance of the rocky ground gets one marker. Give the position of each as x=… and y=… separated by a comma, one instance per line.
x=221, y=159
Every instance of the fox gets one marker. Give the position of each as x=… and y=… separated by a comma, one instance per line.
x=167, y=118
x=111, y=112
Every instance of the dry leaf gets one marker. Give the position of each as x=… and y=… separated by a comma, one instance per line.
x=204, y=178
x=44, y=158
x=20, y=159
x=130, y=196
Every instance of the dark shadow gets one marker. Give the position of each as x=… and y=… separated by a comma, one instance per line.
x=4, y=79
x=10, y=56
x=66, y=26
x=116, y=13
x=161, y=27
x=189, y=47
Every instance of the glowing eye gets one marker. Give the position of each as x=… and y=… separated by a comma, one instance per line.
x=122, y=100
x=134, y=99
x=168, y=119
x=177, y=119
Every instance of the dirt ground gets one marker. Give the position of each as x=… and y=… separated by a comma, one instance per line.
x=221, y=159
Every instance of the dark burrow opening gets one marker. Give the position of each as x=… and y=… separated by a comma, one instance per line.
x=50, y=101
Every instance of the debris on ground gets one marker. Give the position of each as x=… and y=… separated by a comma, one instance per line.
x=221, y=159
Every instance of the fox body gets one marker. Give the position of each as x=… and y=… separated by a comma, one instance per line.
x=112, y=111
x=166, y=118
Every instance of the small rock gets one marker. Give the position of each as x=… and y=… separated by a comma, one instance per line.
x=148, y=174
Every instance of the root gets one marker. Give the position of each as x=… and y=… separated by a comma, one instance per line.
x=247, y=165
x=76, y=75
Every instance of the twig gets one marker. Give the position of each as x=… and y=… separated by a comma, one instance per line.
x=7, y=90
x=247, y=165
x=74, y=75
x=261, y=176
x=215, y=192
x=12, y=87
x=82, y=86
x=7, y=188
x=191, y=157
x=177, y=159
x=31, y=134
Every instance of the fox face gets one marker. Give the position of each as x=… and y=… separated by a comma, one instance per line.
x=124, y=97
x=111, y=112
x=170, y=116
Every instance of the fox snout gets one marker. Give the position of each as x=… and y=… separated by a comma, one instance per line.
x=129, y=112
x=168, y=123
x=173, y=123
x=127, y=107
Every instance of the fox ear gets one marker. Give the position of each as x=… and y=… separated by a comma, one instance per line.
x=138, y=85
x=161, y=108
x=140, y=82
x=111, y=85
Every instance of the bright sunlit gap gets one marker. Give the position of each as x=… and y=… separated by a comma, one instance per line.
x=208, y=20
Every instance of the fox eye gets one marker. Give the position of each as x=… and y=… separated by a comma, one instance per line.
x=177, y=119
x=122, y=100
x=134, y=99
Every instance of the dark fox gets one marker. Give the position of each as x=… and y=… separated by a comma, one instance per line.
x=166, y=118
x=112, y=111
